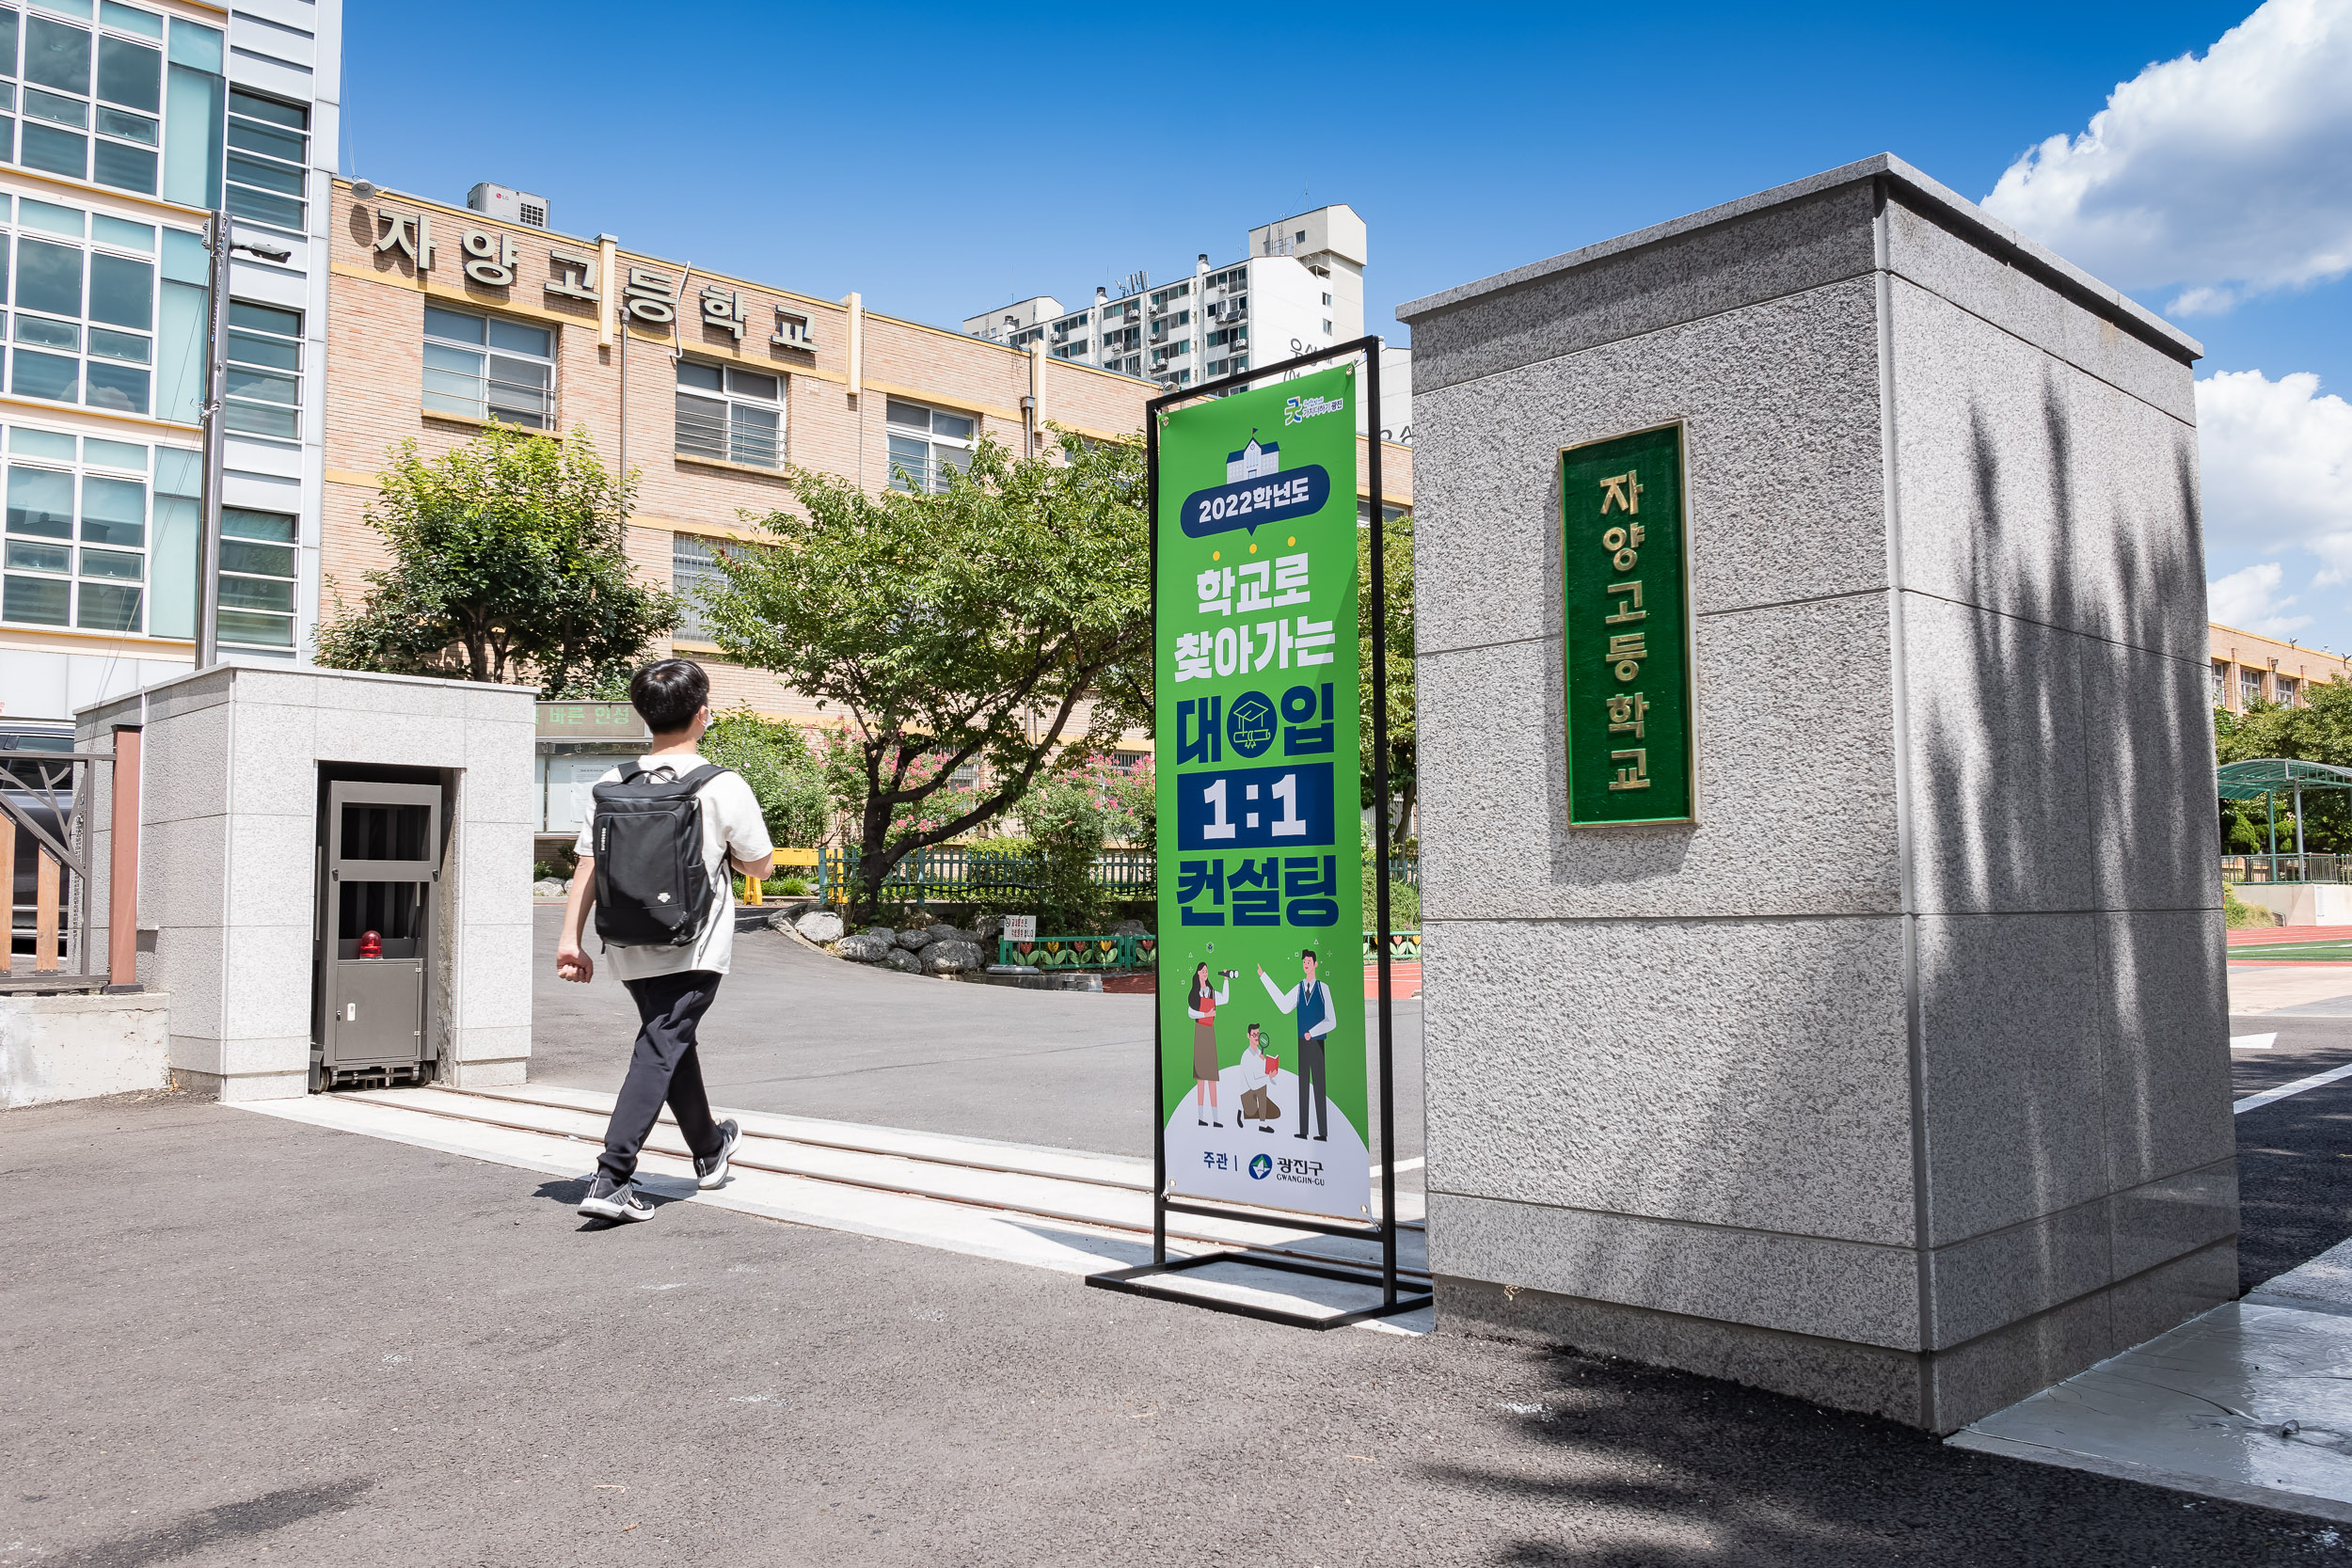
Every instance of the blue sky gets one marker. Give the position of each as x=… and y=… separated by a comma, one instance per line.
x=944, y=160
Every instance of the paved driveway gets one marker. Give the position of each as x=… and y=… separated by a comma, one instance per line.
x=799, y=1032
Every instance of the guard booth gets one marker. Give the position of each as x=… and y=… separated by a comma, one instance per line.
x=379, y=865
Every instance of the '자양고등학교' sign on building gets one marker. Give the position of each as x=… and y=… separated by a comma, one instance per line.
x=1624, y=556
x=1261, y=892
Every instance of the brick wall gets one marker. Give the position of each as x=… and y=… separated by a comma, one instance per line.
x=375, y=372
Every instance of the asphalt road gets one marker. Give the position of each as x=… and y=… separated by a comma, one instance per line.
x=2294, y=1155
x=232, y=1339
x=799, y=1032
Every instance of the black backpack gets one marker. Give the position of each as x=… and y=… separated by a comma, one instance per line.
x=652, y=887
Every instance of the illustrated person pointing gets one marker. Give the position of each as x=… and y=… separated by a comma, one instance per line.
x=1311, y=1000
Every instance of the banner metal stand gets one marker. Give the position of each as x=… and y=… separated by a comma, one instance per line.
x=1138, y=1281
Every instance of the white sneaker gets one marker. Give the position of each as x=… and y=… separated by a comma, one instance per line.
x=713, y=1172
x=619, y=1204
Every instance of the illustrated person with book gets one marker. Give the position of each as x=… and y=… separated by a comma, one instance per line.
x=1309, y=1001
x=1258, y=1071
x=1201, y=1007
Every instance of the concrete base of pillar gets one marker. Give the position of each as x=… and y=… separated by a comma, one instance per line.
x=1939, y=1390
x=238, y=1086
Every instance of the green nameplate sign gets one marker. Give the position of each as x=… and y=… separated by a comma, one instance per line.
x=1625, y=568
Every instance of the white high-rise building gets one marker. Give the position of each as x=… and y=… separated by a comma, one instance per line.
x=135, y=119
x=1297, y=287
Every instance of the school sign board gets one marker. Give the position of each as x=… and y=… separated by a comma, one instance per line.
x=1625, y=571
x=1261, y=880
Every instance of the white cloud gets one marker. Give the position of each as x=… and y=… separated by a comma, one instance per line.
x=2249, y=601
x=2276, y=458
x=2230, y=175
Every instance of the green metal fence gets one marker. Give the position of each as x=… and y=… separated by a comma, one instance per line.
x=959, y=874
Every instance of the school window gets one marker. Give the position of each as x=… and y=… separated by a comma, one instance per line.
x=2250, y=685
x=256, y=578
x=730, y=414
x=90, y=100
x=485, y=368
x=268, y=158
x=2220, y=683
x=926, y=444
x=1327, y=329
x=693, y=570
x=77, y=549
x=1327, y=299
x=85, y=296
x=2286, y=692
x=264, y=370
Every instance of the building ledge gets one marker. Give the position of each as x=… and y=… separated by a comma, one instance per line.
x=751, y=468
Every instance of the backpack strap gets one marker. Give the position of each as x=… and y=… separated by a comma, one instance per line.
x=694, y=780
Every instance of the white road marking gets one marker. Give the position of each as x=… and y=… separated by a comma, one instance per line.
x=2255, y=1102
x=2253, y=1042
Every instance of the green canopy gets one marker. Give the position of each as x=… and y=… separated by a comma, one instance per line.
x=2251, y=781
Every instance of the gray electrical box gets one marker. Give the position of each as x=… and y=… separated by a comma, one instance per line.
x=379, y=859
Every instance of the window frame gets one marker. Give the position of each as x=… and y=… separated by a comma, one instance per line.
x=732, y=442
x=250, y=329
x=485, y=406
x=261, y=204
x=18, y=548
x=931, y=480
x=118, y=370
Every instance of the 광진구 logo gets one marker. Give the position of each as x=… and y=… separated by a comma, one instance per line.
x=1299, y=410
x=1261, y=1167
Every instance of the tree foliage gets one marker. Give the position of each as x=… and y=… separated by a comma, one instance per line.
x=2319, y=732
x=787, y=776
x=508, y=565
x=974, y=625
x=1397, y=585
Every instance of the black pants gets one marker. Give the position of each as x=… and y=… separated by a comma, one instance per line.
x=1312, y=1081
x=663, y=1068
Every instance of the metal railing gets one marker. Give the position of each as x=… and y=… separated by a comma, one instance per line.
x=958, y=874
x=708, y=428
x=49, y=805
x=2286, y=867
x=1404, y=947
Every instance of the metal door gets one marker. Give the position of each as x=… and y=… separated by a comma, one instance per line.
x=380, y=856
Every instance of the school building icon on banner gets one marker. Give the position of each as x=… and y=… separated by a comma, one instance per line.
x=1254, y=461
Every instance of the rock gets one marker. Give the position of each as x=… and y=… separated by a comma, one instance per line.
x=952, y=957
x=950, y=933
x=818, y=925
x=986, y=931
x=865, y=947
x=548, y=888
x=916, y=938
x=903, y=961
x=882, y=931
x=1131, y=928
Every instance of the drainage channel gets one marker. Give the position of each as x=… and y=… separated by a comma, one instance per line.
x=750, y=1158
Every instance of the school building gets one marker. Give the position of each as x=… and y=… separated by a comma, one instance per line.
x=2250, y=667
x=442, y=317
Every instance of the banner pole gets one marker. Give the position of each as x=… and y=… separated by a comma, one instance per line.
x=1159, y=1061
x=1380, y=829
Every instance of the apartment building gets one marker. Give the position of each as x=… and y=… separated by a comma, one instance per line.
x=124, y=125
x=442, y=318
x=2250, y=667
x=1299, y=286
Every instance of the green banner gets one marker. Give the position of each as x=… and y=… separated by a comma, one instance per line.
x=1261, y=878
x=1625, y=568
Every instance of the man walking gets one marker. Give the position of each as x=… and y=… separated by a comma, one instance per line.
x=1311, y=1000
x=672, y=985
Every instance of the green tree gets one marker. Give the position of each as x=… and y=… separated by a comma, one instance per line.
x=786, y=777
x=507, y=565
x=2320, y=729
x=1397, y=574
x=974, y=625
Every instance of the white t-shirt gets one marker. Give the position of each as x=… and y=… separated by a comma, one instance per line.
x=732, y=826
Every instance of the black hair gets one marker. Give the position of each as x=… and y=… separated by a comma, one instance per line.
x=1200, y=986
x=1308, y=953
x=668, y=694
x=1257, y=1028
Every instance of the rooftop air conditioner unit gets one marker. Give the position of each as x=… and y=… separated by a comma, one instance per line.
x=515, y=206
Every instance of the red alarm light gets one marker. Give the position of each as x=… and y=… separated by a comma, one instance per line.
x=370, y=945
